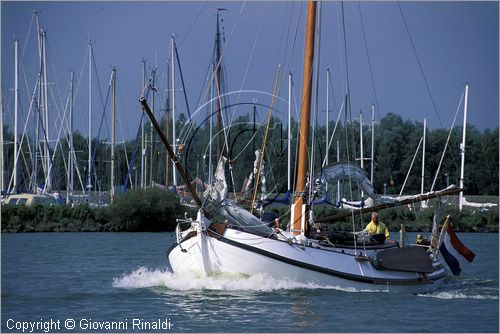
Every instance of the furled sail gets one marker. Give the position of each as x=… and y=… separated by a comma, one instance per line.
x=253, y=175
x=218, y=190
x=344, y=171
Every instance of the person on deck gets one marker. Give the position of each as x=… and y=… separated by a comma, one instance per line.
x=376, y=227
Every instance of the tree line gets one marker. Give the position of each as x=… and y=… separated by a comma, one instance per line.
x=395, y=143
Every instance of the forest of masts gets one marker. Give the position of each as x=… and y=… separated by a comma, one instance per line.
x=395, y=145
x=74, y=164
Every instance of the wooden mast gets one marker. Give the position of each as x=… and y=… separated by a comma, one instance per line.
x=299, y=217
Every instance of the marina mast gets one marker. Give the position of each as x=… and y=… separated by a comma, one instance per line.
x=89, y=171
x=16, y=101
x=113, y=121
x=218, y=87
x=174, y=139
x=462, y=150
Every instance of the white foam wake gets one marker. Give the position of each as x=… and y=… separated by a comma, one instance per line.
x=457, y=295
x=146, y=278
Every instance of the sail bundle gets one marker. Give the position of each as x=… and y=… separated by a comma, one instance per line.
x=218, y=190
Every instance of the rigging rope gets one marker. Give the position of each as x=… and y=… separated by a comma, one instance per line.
x=193, y=24
x=411, y=165
x=345, y=50
x=61, y=99
x=334, y=130
x=447, y=140
x=276, y=83
x=249, y=60
x=369, y=61
x=29, y=110
x=223, y=52
x=103, y=103
x=58, y=142
x=182, y=80
x=134, y=152
x=94, y=153
x=419, y=64
x=423, y=76
x=127, y=161
x=28, y=34
x=45, y=136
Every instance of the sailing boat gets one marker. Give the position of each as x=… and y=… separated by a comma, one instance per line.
x=226, y=238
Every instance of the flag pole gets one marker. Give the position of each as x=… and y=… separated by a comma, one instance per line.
x=441, y=235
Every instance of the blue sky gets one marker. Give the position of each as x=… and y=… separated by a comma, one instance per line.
x=456, y=42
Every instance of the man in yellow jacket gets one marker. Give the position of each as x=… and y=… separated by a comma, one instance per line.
x=376, y=227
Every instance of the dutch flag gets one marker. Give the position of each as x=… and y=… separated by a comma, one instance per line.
x=453, y=251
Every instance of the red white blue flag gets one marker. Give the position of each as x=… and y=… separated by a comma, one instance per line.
x=454, y=252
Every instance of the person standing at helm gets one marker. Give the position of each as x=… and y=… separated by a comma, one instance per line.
x=376, y=227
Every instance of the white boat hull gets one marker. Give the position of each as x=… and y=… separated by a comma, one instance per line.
x=239, y=252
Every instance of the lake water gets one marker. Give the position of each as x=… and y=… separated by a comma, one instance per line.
x=51, y=281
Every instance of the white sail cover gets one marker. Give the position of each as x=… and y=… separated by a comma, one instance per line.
x=253, y=175
x=218, y=190
x=346, y=171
